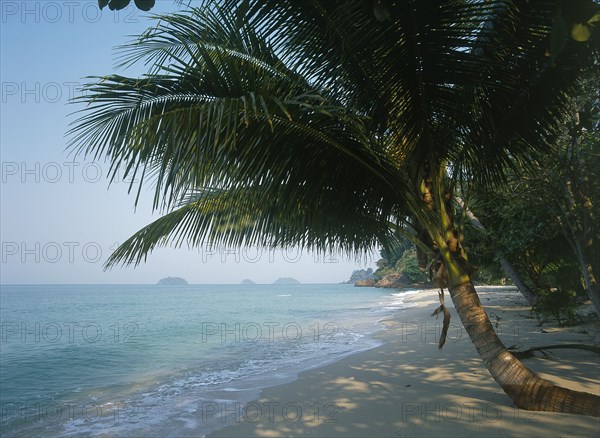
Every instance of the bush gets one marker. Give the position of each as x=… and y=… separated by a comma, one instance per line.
x=408, y=266
x=559, y=304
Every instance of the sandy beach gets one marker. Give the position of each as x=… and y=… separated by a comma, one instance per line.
x=409, y=388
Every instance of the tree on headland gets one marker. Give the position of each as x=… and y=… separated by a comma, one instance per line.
x=403, y=266
x=327, y=124
x=361, y=275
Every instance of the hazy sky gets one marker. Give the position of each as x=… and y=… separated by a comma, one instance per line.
x=59, y=220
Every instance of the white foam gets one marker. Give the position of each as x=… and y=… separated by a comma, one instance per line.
x=170, y=395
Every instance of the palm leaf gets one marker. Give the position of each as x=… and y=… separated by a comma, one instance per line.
x=246, y=217
x=293, y=102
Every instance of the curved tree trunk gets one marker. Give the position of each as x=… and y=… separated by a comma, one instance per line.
x=523, y=386
x=526, y=389
x=589, y=279
x=506, y=266
x=516, y=279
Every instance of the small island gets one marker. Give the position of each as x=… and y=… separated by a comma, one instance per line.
x=286, y=280
x=247, y=281
x=172, y=281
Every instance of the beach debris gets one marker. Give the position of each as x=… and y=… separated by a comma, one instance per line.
x=530, y=352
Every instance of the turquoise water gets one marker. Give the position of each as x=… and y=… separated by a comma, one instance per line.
x=149, y=360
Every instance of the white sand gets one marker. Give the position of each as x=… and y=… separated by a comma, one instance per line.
x=409, y=388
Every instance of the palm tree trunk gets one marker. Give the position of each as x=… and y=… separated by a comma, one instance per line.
x=506, y=266
x=516, y=279
x=523, y=386
x=526, y=389
x=591, y=285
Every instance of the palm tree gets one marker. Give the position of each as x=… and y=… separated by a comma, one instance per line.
x=326, y=124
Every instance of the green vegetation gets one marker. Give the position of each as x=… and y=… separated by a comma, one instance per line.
x=342, y=125
x=405, y=263
x=361, y=275
x=544, y=218
x=558, y=304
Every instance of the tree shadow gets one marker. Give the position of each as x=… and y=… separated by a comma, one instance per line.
x=407, y=387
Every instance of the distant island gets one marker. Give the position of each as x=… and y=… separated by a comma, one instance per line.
x=286, y=280
x=247, y=281
x=172, y=281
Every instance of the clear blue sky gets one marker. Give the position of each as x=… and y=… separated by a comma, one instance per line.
x=59, y=219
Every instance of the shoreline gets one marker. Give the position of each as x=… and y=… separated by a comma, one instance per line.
x=181, y=361
x=407, y=387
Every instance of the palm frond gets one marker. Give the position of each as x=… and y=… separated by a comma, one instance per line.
x=269, y=107
x=467, y=81
x=246, y=217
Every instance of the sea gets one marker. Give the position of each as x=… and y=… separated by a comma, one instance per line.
x=169, y=361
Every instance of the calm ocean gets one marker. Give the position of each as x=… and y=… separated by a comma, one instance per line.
x=149, y=360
